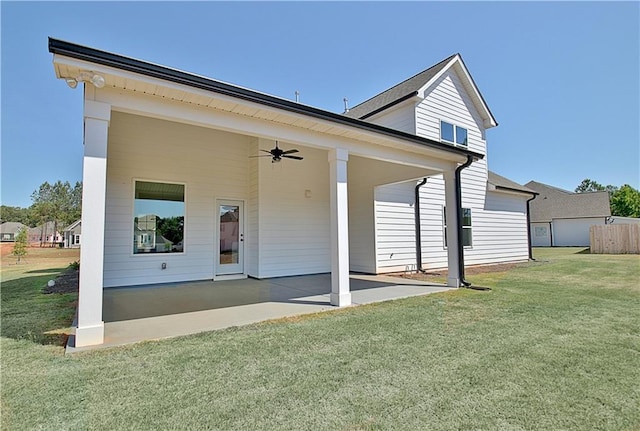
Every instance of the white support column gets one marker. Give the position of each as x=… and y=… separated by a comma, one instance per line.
x=90, y=329
x=451, y=202
x=340, y=291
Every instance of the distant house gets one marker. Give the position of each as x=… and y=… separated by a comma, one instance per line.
x=563, y=218
x=72, y=234
x=46, y=233
x=9, y=230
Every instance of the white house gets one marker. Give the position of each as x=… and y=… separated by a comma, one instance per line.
x=563, y=218
x=184, y=148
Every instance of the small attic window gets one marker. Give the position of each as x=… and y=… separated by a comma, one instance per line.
x=453, y=134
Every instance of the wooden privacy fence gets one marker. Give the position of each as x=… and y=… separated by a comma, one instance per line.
x=615, y=239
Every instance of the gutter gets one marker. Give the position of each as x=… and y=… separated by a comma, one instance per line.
x=529, y=226
x=79, y=52
x=458, y=186
x=416, y=209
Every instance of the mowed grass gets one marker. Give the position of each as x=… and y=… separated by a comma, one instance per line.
x=554, y=345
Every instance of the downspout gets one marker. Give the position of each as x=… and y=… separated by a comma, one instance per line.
x=416, y=209
x=551, y=234
x=458, y=185
x=529, y=227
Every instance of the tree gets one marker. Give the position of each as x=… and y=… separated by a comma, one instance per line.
x=59, y=203
x=17, y=214
x=20, y=245
x=588, y=185
x=625, y=202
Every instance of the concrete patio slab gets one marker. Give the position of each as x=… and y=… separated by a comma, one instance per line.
x=134, y=314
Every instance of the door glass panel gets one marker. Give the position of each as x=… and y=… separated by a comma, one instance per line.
x=229, y=234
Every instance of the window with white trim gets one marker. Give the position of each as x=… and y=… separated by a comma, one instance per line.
x=452, y=133
x=158, y=220
x=467, y=234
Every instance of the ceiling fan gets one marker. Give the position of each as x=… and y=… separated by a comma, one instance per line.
x=278, y=154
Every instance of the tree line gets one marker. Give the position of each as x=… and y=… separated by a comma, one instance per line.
x=59, y=203
x=624, y=200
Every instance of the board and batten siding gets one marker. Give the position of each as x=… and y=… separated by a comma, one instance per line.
x=211, y=164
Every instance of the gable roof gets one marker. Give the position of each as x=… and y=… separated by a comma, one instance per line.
x=11, y=227
x=110, y=61
x=503, y=183
x=555, y=203
x=396, y=94
x=411, y=87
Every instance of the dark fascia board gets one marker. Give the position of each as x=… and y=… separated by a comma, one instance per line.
x=104, y=58
x=516, y=190
x=389, y=105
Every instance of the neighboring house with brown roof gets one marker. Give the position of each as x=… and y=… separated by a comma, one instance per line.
x=563, y=218
x=9, y=230
x=46, y=233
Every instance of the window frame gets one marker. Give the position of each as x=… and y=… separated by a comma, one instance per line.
x=455, y=128
x=133, y=216
x=469, y=227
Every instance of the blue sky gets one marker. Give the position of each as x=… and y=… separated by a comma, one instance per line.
x=562, y=79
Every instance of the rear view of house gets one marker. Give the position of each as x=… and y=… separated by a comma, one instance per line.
x=188, y=178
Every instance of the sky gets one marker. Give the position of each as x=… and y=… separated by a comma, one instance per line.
x=562, y=79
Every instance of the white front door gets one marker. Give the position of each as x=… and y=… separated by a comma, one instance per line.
x=230, y=228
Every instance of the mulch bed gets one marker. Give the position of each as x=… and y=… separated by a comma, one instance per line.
x=67, y=282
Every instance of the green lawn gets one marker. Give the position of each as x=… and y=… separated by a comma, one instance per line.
x=554, y=345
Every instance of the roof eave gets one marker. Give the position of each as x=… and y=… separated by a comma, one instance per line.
x=92, y=55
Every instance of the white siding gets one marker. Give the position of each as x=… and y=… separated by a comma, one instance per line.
x=395, y=227
x=447, y=100
x=211, y=164
x=293, y=224
x=400, y=117
x=573, y=232
x=499, y=228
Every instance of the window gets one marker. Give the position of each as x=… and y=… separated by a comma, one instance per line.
x=158, y=222
x=540, y=231
x=454, y=134
x=467, y=240
x=76, y=239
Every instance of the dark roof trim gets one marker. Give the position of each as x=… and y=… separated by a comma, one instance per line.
x=389, y=105
x=92, y=55
x=516, y=190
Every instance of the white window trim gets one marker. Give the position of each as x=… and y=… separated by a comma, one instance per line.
x=454, y=134
x=132, y=217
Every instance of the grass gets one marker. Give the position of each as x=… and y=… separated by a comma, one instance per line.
x=554, y=345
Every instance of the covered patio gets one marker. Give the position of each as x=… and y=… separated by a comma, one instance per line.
x=134, y=314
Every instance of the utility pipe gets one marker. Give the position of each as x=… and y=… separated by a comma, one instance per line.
x=529, y=227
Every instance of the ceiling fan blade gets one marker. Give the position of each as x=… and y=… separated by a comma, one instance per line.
x=266, y=151
x=290, y=152
x=261, y=155
x=293, y=157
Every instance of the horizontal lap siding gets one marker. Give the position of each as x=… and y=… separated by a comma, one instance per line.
x=211, y=164
x=395, y=226
x=400, y=118
x=294, y=228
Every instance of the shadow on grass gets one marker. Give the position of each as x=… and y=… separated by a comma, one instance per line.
x=29, y=314
x=584, y=251
x=45, y=271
